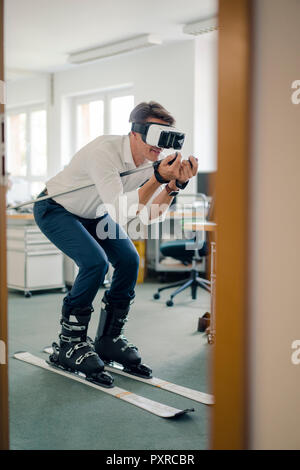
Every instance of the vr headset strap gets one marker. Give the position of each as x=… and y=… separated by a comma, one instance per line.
x=140, y=128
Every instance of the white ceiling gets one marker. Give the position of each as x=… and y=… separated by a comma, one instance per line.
x=39, y=34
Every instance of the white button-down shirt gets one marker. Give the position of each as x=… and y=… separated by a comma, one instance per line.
x=101, y=162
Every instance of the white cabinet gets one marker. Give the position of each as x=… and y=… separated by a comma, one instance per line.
x=33, y=262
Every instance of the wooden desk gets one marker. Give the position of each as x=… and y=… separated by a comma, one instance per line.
x=208, y=319
x=20, y=216
x=197, y=226
x=192, y=220
x=184, y=214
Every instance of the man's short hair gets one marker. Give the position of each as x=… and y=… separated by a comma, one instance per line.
x=144, y=110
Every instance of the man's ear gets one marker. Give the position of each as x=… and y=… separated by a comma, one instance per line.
x=135, y=135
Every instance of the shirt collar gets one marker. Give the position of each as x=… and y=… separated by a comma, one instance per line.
x=127, y=155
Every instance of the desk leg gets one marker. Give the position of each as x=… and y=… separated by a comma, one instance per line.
x=206, y=323
x=212, y=328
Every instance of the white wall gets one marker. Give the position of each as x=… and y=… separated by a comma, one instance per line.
x=27, y=91
x=21, y=93
x=274, y=238
x=206, y=91
x=156, y=73
x=166, y=74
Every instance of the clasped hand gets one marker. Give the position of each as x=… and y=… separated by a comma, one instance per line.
x=180, y=170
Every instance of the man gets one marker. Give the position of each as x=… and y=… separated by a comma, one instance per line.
x=70, y=222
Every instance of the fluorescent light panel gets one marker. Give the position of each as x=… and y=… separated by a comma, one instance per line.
x=201, y=27
x=112, y=49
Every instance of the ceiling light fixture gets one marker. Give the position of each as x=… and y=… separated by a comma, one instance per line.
x=201, y=26
x=108, y=50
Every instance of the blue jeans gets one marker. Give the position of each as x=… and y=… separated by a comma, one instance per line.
x=76, y=237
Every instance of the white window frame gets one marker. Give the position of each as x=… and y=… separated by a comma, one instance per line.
x=28, y=109
x=106, y=96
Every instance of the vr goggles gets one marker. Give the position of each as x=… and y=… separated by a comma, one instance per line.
x=159, y=135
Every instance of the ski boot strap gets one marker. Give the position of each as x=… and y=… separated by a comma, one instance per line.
x=118, y=309
x=74, y=350
x=115, y=317
x=117, y=304
x=115, y=327
x=87, y=353
x=75, y=331
x=72, y=332
x=82, y=314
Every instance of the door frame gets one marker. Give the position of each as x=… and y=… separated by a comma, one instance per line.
x=4, y=426
x=229, y=424
x=229, y=415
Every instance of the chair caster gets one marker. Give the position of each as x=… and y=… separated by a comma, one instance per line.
x=203, y=322
x=169, y=303
x=27, y=294
x=156, y=296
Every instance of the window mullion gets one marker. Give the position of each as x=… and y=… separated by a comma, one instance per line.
x=28, y=144
x=74, y=124
x=106, y=114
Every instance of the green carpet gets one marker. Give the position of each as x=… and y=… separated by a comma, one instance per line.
x=51, y=412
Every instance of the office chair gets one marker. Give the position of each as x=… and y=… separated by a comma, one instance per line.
x=177, y=249
x=183, y=251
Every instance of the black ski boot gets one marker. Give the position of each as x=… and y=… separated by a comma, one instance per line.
x=111, y=345
x=75, y=353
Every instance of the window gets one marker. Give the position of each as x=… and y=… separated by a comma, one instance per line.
x=90, y=121
x=38, y=143
x=16, y=144
x=27, y=145
x=99, y=114
x=120, y=108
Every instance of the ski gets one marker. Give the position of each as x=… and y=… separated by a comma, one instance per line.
x=154, y=407
x=186, y=392
x=195, y=395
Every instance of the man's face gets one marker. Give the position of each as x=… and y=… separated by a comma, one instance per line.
x=148, y=151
